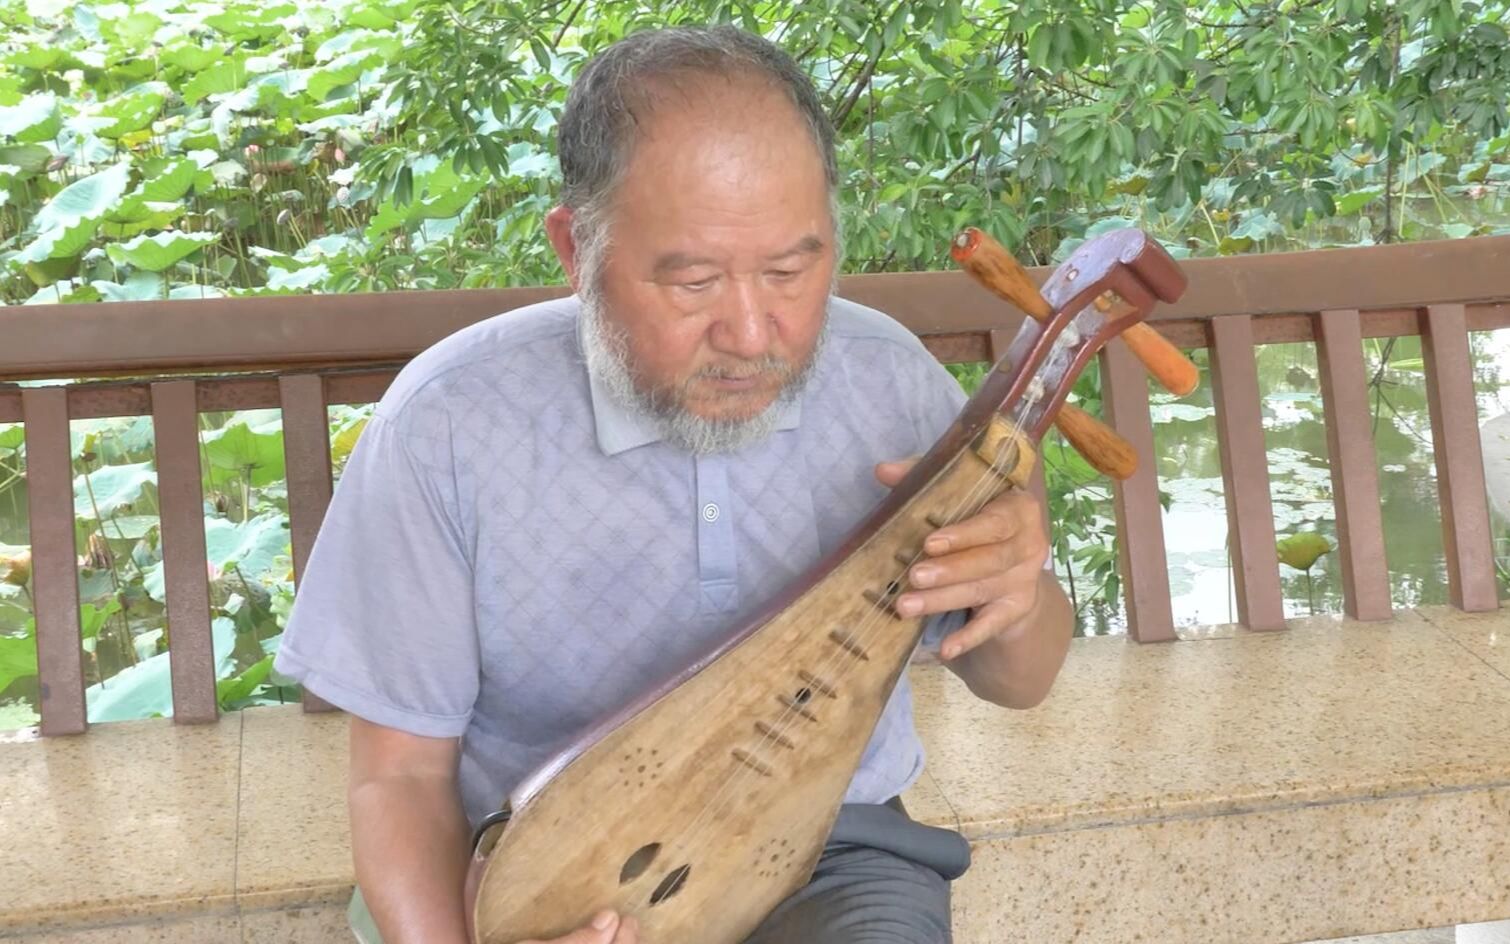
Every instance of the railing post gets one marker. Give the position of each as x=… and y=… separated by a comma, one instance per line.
x=55, y=576
x=175, y=426
x=1459, y=457
x=306, y=450
x=1140, y=520
x=1245, y=473
x=1354, y=465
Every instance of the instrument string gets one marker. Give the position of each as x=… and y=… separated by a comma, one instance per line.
x=692, y=837
x=834, y=666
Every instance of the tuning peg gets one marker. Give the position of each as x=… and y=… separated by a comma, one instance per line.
x=995, y=268
x=1107, y=452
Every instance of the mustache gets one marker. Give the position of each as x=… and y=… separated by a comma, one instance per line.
x=770, y=364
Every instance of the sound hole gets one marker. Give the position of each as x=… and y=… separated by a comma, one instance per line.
x=636, y=864
x=670, y=885
x=803, y=696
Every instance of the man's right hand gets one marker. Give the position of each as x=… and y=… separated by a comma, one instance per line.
x=606, y=928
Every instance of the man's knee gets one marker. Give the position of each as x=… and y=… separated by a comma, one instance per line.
x=863, y=896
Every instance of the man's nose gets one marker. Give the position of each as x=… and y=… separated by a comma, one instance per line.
x=744, y=325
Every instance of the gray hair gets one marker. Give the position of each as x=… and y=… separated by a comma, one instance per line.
x=598, y=128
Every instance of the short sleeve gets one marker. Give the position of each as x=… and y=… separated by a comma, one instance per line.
x=383, y=624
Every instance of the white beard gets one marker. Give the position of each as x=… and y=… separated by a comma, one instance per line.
x=606, y=349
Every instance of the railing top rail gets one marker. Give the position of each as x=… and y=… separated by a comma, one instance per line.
x=276, y=331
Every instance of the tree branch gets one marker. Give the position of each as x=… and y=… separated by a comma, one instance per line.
x=1085, y=78
x=570, y=18
x=1083, y=96
x=861, y=83
x=1260, y=24
x=973, y=156
x=1210, y=25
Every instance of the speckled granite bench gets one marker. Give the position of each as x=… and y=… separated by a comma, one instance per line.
x=1339, y=778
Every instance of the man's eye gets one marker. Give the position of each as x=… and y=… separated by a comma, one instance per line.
x=698, y=286
x=784, y=274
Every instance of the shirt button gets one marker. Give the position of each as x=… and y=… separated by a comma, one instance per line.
x=710, y=512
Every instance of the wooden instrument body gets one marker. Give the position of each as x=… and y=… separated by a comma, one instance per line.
x=702, y=806
x=738, y=773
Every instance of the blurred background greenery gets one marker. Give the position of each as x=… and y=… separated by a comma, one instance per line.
x=184, y=149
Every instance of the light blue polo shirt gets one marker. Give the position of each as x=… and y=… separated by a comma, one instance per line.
x=510, y=555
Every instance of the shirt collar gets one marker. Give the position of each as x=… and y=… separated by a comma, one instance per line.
x=621, y=426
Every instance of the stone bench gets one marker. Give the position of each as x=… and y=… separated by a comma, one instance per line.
x=1340, y=778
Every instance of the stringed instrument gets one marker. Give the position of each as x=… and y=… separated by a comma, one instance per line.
x=704, y=804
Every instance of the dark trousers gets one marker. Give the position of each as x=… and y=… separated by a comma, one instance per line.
x=882, y=879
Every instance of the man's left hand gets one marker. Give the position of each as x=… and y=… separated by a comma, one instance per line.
x=990, y=563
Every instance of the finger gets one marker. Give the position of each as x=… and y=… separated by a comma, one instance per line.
x=890, y=473
x=604, y=928
x=601, y=930
x=987, y=562
x=989, y=621
x=959, y=596
x=999, y=520
x=629, y=932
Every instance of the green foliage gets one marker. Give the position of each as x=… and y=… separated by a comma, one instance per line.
x=370, y=145
x=241, y=686
x=144, y=689
x=237, y=450
x=184, y=148
x=111, y=488
x=18, y=657
x=159, y=251
x=1303, y=550
x=66, y=224
x=122, y=615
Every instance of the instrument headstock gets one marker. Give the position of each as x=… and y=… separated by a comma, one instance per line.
x=1124, y=263
x=1108, y=285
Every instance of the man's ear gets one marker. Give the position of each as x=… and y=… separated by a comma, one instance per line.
x=558, y=231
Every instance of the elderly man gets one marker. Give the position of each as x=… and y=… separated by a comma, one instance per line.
x=555, y=508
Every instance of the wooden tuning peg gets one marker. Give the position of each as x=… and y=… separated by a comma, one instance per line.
x=995, y=268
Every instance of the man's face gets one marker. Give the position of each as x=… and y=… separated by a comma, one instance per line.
x=722, y=253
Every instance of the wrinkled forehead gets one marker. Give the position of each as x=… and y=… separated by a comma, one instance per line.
x=696, y=95
x=690, y=117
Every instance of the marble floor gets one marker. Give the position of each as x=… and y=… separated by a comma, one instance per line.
x=1495, y=933
x=1365, y=757
x=1429, y=936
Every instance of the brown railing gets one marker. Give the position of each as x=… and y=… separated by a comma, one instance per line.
x=173, y=360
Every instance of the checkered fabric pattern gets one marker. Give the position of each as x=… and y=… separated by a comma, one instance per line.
x=510, y=556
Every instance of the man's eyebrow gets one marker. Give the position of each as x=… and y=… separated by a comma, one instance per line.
x=806, y=246
x=675, y=261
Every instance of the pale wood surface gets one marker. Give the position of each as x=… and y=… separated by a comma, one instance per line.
x=736, y=774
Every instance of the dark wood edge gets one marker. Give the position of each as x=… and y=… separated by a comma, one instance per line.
x=55, y=589
x=1246, y=488
x=1467, y=541
x=1354, y=465
x=365, y=382
x=1142, y=555
x=175, y=430
x=226, y=333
